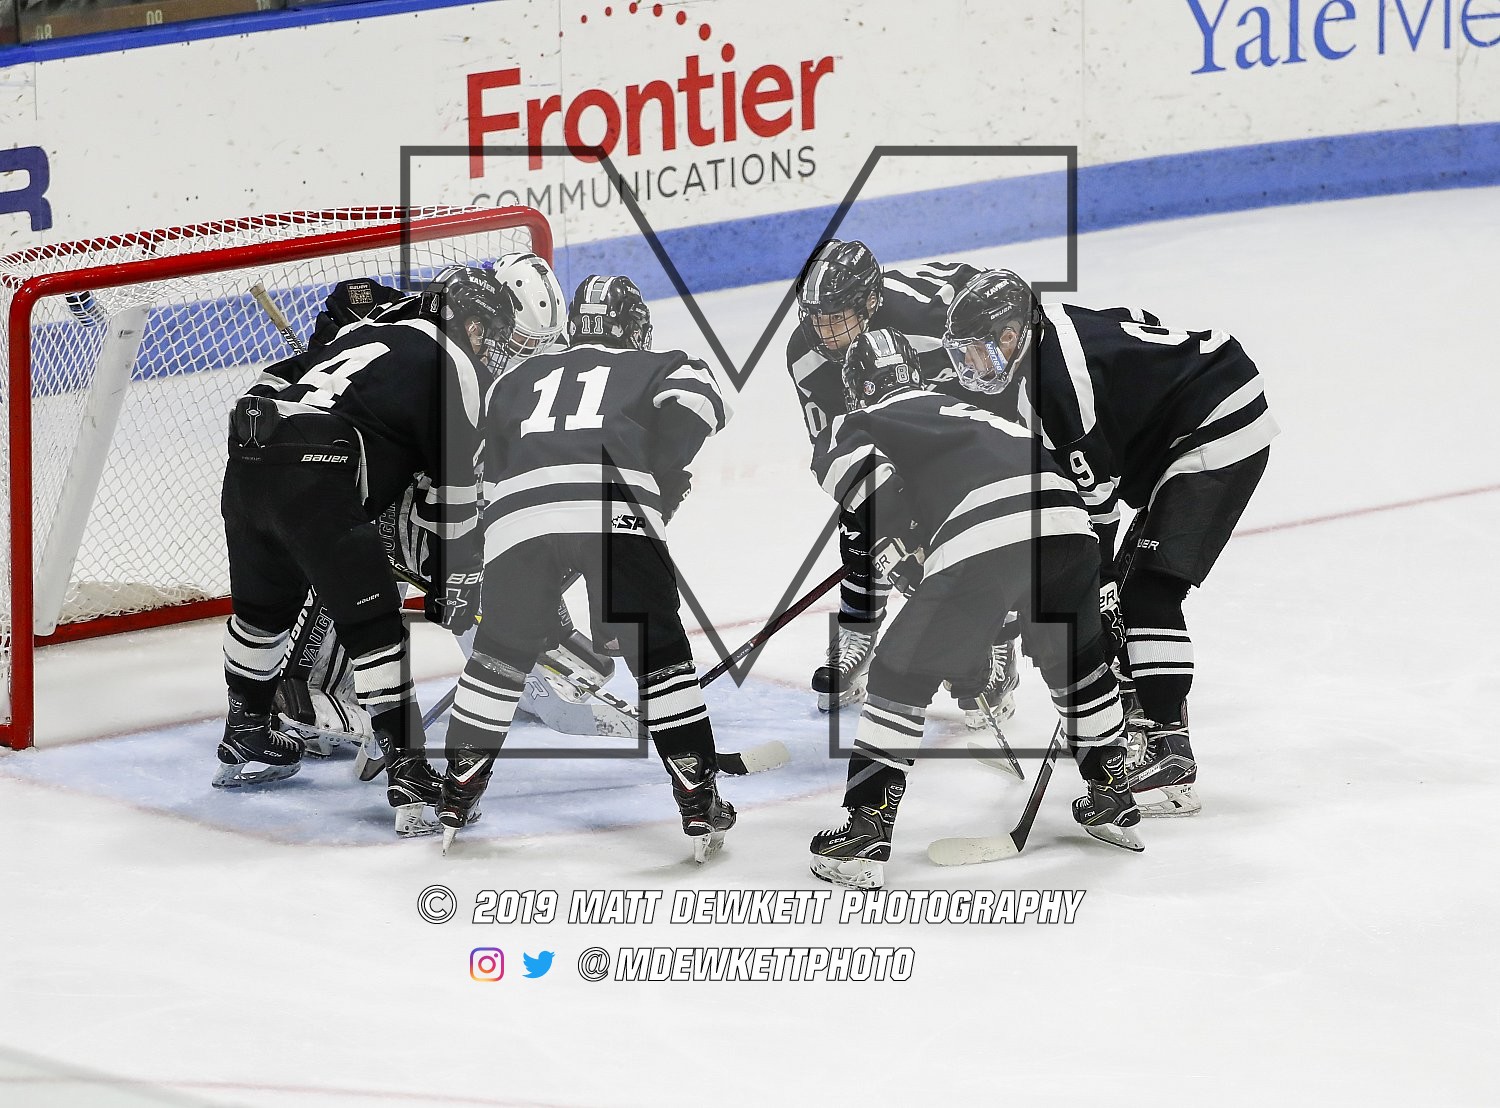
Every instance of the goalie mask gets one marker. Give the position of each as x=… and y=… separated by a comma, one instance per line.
x=992, y=324
x=541, y=312
x=610, y=311
x=837, y=293
x=880, y=364
x=471, y=307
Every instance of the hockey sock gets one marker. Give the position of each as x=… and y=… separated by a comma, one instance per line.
x=252, y=663
x=382, y=677
x=488, y=691
x=1090, y=707
x=870, y=771
x=673, y=710
x=883, y=725
x=1157, y=643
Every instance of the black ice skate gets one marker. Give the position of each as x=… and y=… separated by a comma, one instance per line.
x=705, y=815
x=856, y=853
x=1108, y=812
x=999, y=691
x=251, y=753
x=462, y=786
x=842, y=679
x=1162, y=773
x=412, y=785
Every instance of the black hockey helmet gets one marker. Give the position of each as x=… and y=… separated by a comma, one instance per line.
x=610, y=311
x=992, y=324
x=463, y=294
x=837, y=293
x=880, y=362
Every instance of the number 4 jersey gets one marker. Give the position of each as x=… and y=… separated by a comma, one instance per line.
x=593, y=439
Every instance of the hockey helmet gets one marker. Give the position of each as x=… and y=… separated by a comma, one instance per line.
x=610, y=311
x=837, y=293
x=461, y=295
x=880, y=363
x=541, y=313
x=992, y=324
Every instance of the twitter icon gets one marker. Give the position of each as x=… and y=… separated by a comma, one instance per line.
x=537, y=965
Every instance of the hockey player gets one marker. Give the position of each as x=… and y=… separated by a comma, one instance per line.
x=1173, y=423
x=841, y=293
x=970, y=520
x=314, y=458
x=316, y=700
x=585, y=459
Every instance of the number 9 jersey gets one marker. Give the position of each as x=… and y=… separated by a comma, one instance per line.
x=593, y=439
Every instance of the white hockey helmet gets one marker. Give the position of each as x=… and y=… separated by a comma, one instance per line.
x=542, y=309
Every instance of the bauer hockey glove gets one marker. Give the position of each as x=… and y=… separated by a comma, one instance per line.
x=898, y=564
x=1112, y=619
x=454, y=602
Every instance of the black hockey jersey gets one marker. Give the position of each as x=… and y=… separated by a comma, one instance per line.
x=412, y=395
x=914, y=302
x=971, y=481
x=1126, y=403
x=564, y=426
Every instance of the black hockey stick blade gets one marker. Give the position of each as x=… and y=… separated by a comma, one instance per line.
x=992, y=848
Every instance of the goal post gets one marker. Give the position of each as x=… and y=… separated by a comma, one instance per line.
x=123, y=357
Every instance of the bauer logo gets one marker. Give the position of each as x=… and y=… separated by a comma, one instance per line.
x=701, y=113
x=26, y=191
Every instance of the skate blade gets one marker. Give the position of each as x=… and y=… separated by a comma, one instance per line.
x=756, y=759
x=852, y=873
x=999, y=765
x=411, y=821
x=706, y=846
x=975, y=719
x=1168, y=802
x=854, y=694
x=1122, y=837
x=251, y=773
x=972, y=851
x=369, y=763
x=449, y=834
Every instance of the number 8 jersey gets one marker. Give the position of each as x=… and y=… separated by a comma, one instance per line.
x=593, y=439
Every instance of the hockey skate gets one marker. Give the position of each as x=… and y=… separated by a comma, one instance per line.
x=1108, y=812
x=1161, y=770
x=462, y=786
x=855, y=854
x=412, y=785
x=999, y=691
x=252, y=753
x=705, y=815
x=842, y=679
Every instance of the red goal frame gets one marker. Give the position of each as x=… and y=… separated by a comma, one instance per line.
x=388, y=227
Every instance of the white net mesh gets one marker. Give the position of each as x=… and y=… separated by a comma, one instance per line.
x=153, y=536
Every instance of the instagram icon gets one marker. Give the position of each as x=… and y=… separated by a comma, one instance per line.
x=486, y=963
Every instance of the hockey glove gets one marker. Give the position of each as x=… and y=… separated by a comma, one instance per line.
x=675, y=487
x=1112, y=619
x=454, y=603
x=901, y=566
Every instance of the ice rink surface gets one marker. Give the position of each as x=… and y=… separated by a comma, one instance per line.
x=1321, y=934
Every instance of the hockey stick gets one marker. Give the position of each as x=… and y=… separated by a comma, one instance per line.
x=991, y=848
x=267, y=305
x=776, y=624
x=1009, y=765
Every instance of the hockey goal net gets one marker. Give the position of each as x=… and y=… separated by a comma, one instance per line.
x=123, y=357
